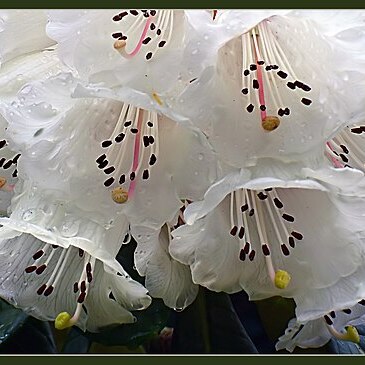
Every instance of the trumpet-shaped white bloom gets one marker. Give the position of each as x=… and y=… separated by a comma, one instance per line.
x=144, y=52
x=280, y=90
x=274, y=237
x=316, y=333
x=93, y=168
x=67, y=285
x=133, y=49
x=99, y=154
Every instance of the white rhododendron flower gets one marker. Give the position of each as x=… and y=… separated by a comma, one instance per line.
x=228, y=144
x=67, y=285
x=92, y=168
x=316, y=333
x=147, y=52
x=280, y=90
x=141, y=51
x=273, y=237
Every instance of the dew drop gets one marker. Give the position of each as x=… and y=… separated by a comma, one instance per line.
x=38, y=132
x=28, y=215
x=70, y=229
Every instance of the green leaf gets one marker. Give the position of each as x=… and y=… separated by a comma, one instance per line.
x=211, y=325
x=76, y=342
x=11, y=319
x=149, y=323
x=275, y=313
x=20, y=333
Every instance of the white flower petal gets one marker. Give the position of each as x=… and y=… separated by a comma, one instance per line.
x=210, y=253
x=45, y=115
x=316, y=112
x=318, y=332
x=346, y=149
x=312, y=335
x=340, y=23
x=64, y=268
x=238, y=180
x=317, y=302
x=165, y=278
x=52, y=219
x=328, y=248
x=177, y=46
x=34, y=66
x=8, y=170
x=65, y=199
x=22, y=31
x=96, y=60
x=13, y=76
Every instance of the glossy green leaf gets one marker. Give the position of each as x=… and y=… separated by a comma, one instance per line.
x=76, y=342
x=211, y=325
x=11, y=319
x=149, y=323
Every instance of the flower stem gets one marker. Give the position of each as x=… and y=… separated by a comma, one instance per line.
x=201, y=304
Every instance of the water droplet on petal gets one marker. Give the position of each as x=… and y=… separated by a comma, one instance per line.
x=70, y=229
x=28, y=215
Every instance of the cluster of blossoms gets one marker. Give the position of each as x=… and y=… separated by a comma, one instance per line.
x=228, y=144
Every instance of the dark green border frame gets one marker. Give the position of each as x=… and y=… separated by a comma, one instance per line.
x=182, y=359
x=183, y=4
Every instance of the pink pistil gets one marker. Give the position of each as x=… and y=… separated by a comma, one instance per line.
x=261, y=88
x=137, y=142
x=139, y=44
x=335, y=162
